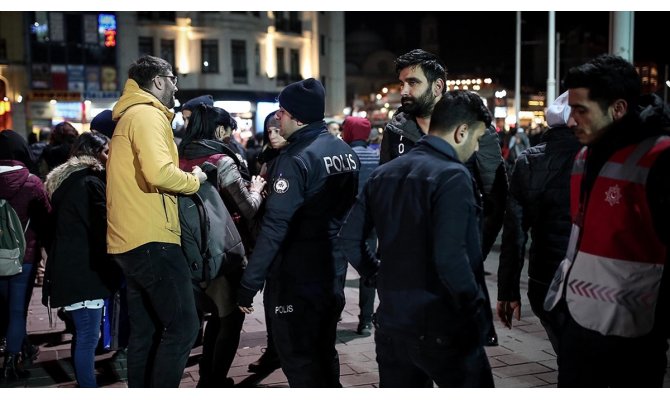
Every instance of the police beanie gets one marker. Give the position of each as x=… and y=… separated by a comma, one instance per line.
x=194, y=102
x=304, y=100
x=104, y=123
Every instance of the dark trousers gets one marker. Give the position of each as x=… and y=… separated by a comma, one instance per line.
x=589, y=359
x=411, y=363
x=304, y=325
x=163, y=318
x=219, y=346
x=553, y=320
x=366, y=295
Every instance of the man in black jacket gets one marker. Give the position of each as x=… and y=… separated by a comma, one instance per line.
x=313, y=183
x=430, y=323
x=539, y=202
x=423, y=77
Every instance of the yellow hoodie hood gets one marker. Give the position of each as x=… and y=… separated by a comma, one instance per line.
x=134, y=95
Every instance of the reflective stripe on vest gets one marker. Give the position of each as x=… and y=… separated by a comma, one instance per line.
x=612, y=286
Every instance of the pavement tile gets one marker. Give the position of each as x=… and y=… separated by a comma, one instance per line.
x=549, y=377
x=524, y=357
x=520, y=369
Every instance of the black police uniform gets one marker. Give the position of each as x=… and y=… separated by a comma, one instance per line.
x=313, y=183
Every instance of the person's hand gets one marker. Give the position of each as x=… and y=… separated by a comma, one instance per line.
x=245, y=299
x=199, y=174
x=257, y=184
x=506, y=310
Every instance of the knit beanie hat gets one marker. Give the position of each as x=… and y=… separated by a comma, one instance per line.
x=194, y=102
x=558, y=112
x=356, y=128
x=104, y=123
x=304, y=100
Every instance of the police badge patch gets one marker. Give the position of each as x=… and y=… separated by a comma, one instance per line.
x=281, y=185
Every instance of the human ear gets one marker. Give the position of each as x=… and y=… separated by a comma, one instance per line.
x=619, y=109
x=461, y=133
x=438, y=87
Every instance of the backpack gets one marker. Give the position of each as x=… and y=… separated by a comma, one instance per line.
x=12, y=240
x=209, y=238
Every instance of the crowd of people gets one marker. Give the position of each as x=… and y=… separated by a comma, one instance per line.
x=189, y=229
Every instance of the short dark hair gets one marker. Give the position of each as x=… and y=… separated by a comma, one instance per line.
x=64, y=132
x=458, y=107
x=608, y=78
x=89, y=144
x=145, y=68
x=431, y=65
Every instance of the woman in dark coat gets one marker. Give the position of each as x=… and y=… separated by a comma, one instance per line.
x=25, y=193
x=78, y=273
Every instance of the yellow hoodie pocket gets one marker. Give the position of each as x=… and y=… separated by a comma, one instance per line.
x=171, y=213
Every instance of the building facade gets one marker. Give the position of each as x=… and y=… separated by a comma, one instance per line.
x=68, y=66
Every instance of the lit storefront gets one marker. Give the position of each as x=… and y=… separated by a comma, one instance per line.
x=73, y=71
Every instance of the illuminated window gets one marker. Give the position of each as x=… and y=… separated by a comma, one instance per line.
x=209, y=49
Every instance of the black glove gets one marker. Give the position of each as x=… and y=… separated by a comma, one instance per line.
x=245, y=296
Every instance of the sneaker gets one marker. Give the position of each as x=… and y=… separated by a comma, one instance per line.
x=364, y=328
x=3, y=344
x=268, y=362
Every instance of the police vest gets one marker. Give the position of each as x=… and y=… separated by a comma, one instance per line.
x=613, y=283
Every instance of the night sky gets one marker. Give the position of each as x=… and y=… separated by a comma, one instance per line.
x=484, y=42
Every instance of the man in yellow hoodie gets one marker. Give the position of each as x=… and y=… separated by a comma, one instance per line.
x=143, y=234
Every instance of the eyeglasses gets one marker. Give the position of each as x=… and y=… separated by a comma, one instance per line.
x=173, y=78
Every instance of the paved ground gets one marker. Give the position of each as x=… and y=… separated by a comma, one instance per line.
x=524, y=357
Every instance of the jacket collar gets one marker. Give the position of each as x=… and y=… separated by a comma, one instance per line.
x=308, y=132
x=440, y=145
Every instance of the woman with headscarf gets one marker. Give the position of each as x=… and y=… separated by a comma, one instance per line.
x=25, y=193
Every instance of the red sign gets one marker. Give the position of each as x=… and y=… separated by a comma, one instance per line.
x=110, y=37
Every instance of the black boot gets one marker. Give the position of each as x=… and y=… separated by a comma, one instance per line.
x=13, y=369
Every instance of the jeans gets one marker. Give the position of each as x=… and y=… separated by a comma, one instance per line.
x=13, y=300
x=163, y=318
x=418, y=362
x=84, y=342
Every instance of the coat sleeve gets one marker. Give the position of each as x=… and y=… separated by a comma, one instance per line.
x=493, y=178
x=152, y=144
x=231, y=181
x=286, y=197
x=98, y=215
x=515, y=233
x=385, y=147
x=453, y=208
x=352, y=238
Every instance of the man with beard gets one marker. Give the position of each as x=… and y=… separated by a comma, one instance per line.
x=143, y=234
x=423, y=79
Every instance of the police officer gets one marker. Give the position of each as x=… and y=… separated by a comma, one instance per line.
x=313, y=183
